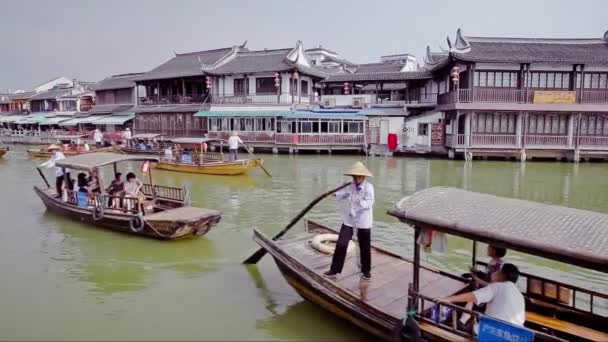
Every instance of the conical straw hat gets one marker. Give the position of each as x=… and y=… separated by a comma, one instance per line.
x=53, y=147
x=358, y=170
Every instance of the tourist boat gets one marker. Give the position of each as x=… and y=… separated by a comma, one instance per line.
x=65, y=141
x=165, y=214
x=555, y=310
x=149, y=140
x=203, y=162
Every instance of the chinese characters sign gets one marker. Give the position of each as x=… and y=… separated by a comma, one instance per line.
x=499, y=331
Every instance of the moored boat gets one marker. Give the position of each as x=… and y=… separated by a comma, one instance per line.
x=164, y=214
x=3, y=151
x=402, y=289
x=71, y=146
x=144, y=144
x=198, y=160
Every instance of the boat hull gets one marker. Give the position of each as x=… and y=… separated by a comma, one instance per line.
x=120, y=222
x=219, y=168
x=47, y=154
x=128, y=150
x=3, y=151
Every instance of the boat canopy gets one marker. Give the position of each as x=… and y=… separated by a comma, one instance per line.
x=569, y=235
x=70, y=137
x=193, y=140
x=90, y=161
x=145, y=136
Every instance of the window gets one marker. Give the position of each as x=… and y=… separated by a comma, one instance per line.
x=265, y=85
x=239, y=86
x=305, y=127
x=423, y=129
x=333, y=127
x=352, y=127
x=304, y=85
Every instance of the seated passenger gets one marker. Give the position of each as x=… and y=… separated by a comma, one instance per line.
x=504, y=301
x=115, y=189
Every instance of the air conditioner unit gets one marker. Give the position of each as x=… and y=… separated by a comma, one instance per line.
x=358, y=102
x=329, y=103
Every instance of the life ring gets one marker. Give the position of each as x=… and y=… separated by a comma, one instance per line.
x=137, y=223
x=319, y=242
x=98, y=212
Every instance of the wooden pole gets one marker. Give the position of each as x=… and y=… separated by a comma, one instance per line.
x=43, y=178
x=416, y=277
x=258, y=160
x=259, y=254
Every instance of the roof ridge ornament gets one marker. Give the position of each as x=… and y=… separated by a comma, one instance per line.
x=460, y=43
x=449, y=42
x=428, y=58
x=605, y=36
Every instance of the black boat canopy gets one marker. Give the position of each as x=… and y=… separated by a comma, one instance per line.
x=569, y=235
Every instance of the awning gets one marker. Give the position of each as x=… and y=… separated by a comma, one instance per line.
x=77, y=121
x=55, y=120
x=114, y=119
x=258, y=113
x=11, y=118
x=32, y=119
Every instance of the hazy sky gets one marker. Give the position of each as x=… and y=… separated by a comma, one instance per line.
x=90, y=40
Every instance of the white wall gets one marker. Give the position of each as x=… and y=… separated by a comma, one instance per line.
x=51, y=84
x=412, y=138
x=347, y=100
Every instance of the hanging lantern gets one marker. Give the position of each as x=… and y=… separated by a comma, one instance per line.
x=455, y=73
x=209, y=82
x=277, y=80
x=346, y=88
x=295, y=74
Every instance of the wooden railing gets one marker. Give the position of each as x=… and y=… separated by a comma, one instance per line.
x=493, y=139
x=172, y=99
x=546, y=140
x=593, y=141
x=107, y=201
x=261, y=98
x=246, y=136
x=510, y=95
x=319, y=139
x=164, y=192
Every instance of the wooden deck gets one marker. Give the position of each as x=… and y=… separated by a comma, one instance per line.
x=387, y=290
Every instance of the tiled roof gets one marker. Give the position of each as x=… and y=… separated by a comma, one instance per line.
x=176, y=108
x=378, y=76
x=529, y=51
x=22, y=96
x=184, y=65
x=248, y=62
x=117, y=82
x=51, y=94
x=379, y=67
x=110, y=108
x=337, y=60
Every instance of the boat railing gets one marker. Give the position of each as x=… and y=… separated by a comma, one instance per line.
x=212, y=156
x=561, y=294
x=163, y=192
x=435, y=313
x=127, y=204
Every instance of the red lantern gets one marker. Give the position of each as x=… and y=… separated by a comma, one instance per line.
x=455, y=73
x=295, y=74
x=277, y=80
x=346, y=88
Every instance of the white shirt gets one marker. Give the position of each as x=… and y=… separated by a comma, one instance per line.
x=504, y=302
x=126, y=135
x=359, y=211
x=51, y=163
x=86, y=147
x=97, y=136
x=233, y=142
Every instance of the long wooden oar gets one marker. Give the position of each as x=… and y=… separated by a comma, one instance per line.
x=43, y=178
x=259, y=254
x=255, y=158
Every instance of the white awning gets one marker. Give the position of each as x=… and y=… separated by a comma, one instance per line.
x=114, y=119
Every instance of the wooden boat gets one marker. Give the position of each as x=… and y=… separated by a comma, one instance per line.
x=136, y=139
x=65, y=140
x=3, y=151
x=399, y=285
x=166, y=212
x=203, y=162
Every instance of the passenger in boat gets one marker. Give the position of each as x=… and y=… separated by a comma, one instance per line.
x=98, y=138
x=496, y=255
x=233, y=146
x=116, y=189
x=503, y=298
x=82, y=183
x=358, y=214
x=169, y=153
x=141, y=146
x=86, y=147
x=93, y=183
x=59, y=172
x=132, y=189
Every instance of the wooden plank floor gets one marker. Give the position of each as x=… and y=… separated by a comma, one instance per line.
x=387, y=290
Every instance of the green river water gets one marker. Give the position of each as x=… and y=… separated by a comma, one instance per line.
x=62, y=280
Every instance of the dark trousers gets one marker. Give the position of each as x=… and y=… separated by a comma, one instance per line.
x=98, y=144
x=59, y=183
x=346, y=234
x=234, y=154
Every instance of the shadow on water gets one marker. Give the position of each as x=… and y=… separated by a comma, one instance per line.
x=116, y=262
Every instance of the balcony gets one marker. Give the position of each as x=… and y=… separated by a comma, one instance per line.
x=172, y=99
x=300, y=139
x=530, y=141
x=509, y=95
x=263, y=98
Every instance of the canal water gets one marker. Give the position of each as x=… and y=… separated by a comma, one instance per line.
x=63, y=280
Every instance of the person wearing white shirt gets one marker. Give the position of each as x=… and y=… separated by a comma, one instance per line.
x=504, y=300
x=60, y=173
x=357, y=214
x=98, y=137
x=126, y=136
x=233, y=146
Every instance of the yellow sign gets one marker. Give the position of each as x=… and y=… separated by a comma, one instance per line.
x=554, y=97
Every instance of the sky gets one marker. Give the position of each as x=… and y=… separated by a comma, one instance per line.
x=92, y=39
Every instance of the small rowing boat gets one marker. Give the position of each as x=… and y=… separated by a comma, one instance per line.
x=198, y=160
x=164, y=214
x=71, y=146
x=144, y=144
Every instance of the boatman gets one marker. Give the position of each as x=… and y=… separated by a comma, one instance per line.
x=126, y=136
x=98, y=137
x=357, y=214
x=59, y=172
x=233, y=146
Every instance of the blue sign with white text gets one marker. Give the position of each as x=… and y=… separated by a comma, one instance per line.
x=494, y=330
